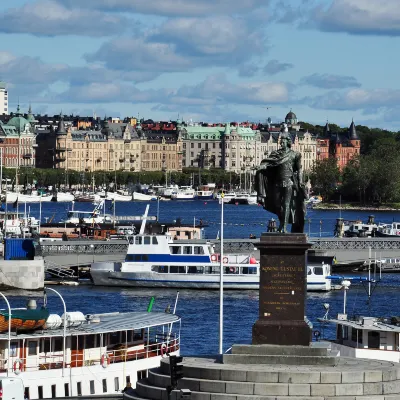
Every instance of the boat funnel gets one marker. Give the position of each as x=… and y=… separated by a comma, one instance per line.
x=31, y=305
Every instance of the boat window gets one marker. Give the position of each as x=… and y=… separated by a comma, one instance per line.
x=114, y=338
x=116, y=384
x=26, y=393
x=309, y=271
x=129, y=336
x=128, y=379
x=13, y=349
x=131, y=240
x=53, y=392
x=373, y=340
x=318, y=271
x=160, y=268
x=66, y=389
x=79, y=388
x=212, y=269
x=354, y=337
x=147, y=240
x=91, y=387
x=177, y=269
x=198, y=250
x=195, y=270
x=187, y=249
x=249, y=270
x=104, y=385
x=141, y=374
x=45, y=345
x=32, y=348
x=90, y=341
x=138, y=334
x=175, y=249
x=57, y=344
x=138, y=240
x=40, y=392
x=155, y=241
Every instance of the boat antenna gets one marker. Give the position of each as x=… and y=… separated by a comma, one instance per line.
x=144, y=218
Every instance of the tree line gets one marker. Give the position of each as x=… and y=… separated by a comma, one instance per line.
x=371, y=177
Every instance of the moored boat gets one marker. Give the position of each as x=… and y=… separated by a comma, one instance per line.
x=23, y=319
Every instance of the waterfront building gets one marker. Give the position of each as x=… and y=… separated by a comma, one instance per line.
x=342, y=146
x=18, y=141
x=234, y=148
x=3, y=99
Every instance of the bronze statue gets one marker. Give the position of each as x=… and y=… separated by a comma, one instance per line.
x=279, y=185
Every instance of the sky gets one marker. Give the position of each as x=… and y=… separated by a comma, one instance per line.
x=205, y=60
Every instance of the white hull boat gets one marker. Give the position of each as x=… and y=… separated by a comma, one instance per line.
x=118, y=196
x=97, y=354
x=11, y=197
x=184, y=194
x=136, y=196
x=63, y=197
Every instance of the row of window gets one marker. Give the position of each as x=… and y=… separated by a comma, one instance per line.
x=181, y=269
x=140, y=375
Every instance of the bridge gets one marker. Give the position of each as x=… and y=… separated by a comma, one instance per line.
x=84, y=252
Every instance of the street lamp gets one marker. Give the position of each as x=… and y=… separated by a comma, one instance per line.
x=92, y=247
x=9, y=331
x=346, y=286
x=65, y=323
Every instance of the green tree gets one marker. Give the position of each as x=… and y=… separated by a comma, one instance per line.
x=324, y=177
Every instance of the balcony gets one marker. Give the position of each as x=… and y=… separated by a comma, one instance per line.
x=27, y=156
x=121, y=160
x=127, y=141
x=60, y=149
x=99, y=159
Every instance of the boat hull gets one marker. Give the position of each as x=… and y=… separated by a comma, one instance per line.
x=23, y=320
x=184, y=281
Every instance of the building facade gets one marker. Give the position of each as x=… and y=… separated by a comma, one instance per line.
x=3, y=99
x=342, y=147
x=18, y=141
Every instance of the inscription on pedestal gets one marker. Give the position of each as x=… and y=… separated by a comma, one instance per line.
x=283, y=285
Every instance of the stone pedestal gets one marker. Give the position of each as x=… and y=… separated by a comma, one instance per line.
x=283, y=288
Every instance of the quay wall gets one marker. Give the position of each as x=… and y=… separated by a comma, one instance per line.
x=22, y=274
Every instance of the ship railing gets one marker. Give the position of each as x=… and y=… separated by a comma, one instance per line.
x=160, y=345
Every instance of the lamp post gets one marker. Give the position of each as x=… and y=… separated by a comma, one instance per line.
x=9, y=331
x=92, y=247
x=65, y=324
x=221, y=280
x=346, y=285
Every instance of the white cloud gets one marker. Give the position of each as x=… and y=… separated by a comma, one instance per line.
x=49, y=18
x=171, y=8
x=330, y=81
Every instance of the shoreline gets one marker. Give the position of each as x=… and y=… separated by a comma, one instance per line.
x=352, y=207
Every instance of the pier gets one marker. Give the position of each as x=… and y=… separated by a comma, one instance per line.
x=346, y=250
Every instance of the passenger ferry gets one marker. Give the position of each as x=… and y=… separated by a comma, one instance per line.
x=87, y=355
x=160, y=261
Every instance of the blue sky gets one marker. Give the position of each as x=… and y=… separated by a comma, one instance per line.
x=208, y=60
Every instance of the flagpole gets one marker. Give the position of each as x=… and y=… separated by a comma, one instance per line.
x=221, y=280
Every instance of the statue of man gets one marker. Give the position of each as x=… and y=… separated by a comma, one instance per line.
x=279, y=185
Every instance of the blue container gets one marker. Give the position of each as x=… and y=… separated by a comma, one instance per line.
x=19, y=249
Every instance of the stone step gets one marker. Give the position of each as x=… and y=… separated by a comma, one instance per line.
x=280, y=350
x=290, y=385
x=278, y=359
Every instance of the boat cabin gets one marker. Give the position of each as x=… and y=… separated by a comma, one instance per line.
x=95, y=354
x=367, y=337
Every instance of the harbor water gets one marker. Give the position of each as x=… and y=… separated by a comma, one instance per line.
x=200, y=309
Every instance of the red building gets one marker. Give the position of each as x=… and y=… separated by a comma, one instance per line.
x=343, y=147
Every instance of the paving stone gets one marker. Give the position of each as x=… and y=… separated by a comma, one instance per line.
x=212, y=386
x=323, y=389
x=239, y=387
x=349, y=389
x=233, y=375
x=331, y=377
x=389, y=375
x=373, y=376
x=299, y=389
x=261, y=376
x=373, y=388
x=278, y=389
x=299, y=377
x=391, y=387
x=352, y=376
x=191, y=384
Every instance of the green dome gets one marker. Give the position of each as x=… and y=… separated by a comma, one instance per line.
x=19, y=123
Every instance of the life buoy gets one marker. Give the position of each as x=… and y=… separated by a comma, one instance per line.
x=164, y=350
x=225, y=260
x=105, y=360
x=214, y=257
x=17, y=366
x=398, y=233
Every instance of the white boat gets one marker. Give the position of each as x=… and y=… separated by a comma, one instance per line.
x=252, y=199
x=241, y=198
x=388, y=230
x=184, y=193
x=228, y=197
x=34, y=197
x=88, y=217
x=205, y=193
x=136, y=196
x=18, y=224
x=168, y=191
x=65, y=197
x=87, y=355
x=160, y=261
x=119, y=196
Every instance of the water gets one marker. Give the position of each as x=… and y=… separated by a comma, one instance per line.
x=200, y=309
x=240, y=220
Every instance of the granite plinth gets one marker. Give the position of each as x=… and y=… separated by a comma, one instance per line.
x=283, y=287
